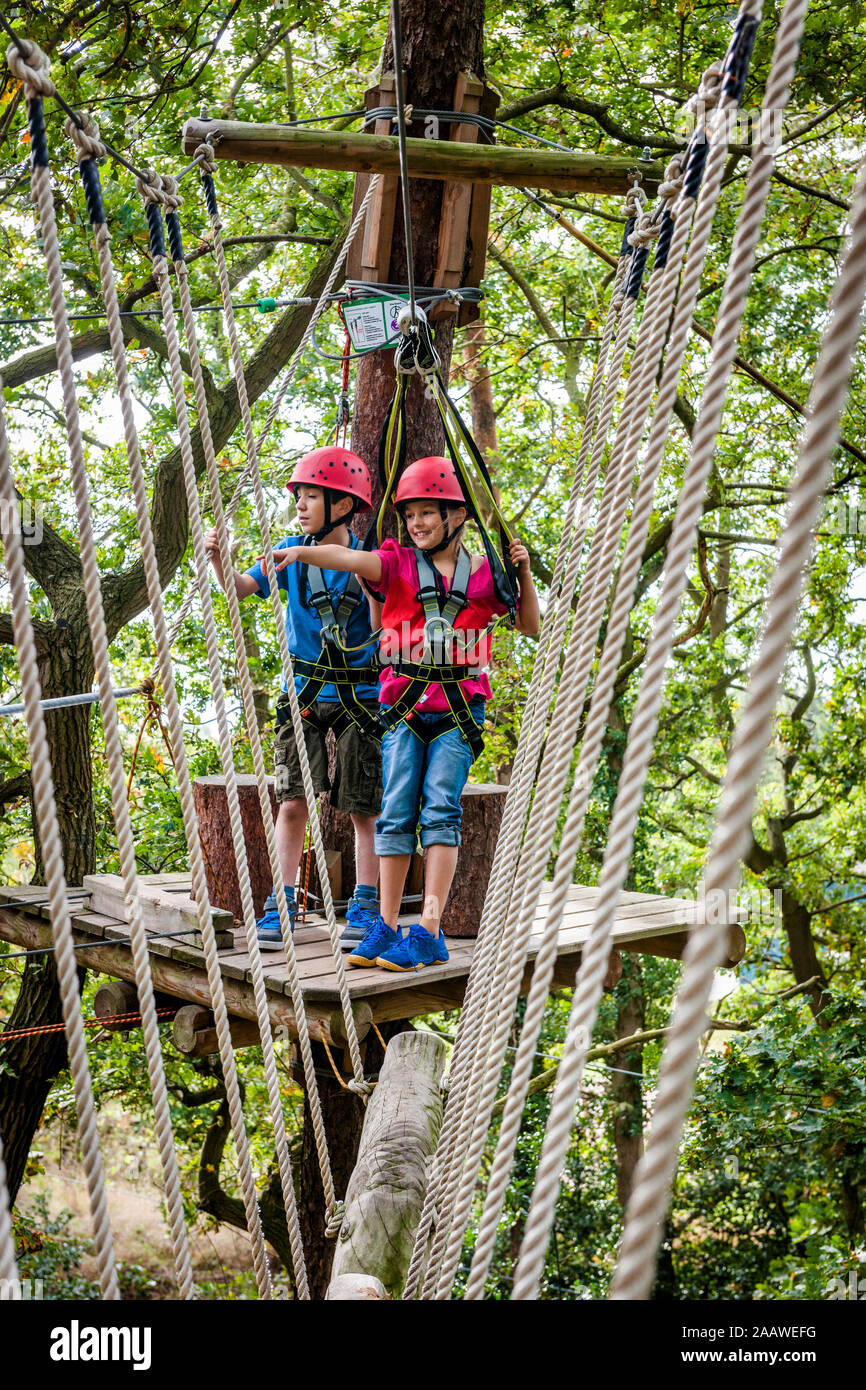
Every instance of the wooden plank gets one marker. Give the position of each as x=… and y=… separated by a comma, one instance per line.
x=456, y=198
x=161, y=911
x=378, y=230
x=183, y=981
x=479, y=217
x=249, y=143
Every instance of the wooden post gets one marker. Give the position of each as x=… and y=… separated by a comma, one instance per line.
x=211, y=808
x=343, y=1115
x=457, y=200
x=386, y=1191
x=369, y=257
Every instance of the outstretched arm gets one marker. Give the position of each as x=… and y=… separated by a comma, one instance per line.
x=332, y=557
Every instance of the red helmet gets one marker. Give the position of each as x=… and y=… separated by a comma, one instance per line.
x=336, y=468
x=430, y=477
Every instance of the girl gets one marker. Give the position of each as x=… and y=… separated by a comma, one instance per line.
x=438, y=603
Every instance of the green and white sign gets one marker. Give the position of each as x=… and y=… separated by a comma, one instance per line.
x=372, y=323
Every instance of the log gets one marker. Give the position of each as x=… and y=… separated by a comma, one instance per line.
x=482, y=804
x=386, y=1190
x=116, y=999
x=356, y=1286
x=249, y=143
x=194, y=1032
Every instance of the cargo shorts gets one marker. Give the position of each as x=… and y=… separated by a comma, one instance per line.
x=357, y=784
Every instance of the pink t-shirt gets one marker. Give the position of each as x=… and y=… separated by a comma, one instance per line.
x=403, y=626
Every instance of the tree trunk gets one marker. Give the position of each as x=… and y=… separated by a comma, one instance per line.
x=387, y=1188
x=797, y=922
x=626, y=1089
x=440, y=39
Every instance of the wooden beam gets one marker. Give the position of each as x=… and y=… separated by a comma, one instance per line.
x=248, y=143
x=386, y=1191
x=456, y=199
x=184, y=982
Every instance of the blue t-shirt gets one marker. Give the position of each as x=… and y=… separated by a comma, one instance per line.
x=303, y=629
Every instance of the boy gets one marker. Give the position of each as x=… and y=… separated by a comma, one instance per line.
x=434, y=728
x=328, y=631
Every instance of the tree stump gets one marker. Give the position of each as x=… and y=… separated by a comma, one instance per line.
x=482, y=816
x=386, y=1191
x=221, y=870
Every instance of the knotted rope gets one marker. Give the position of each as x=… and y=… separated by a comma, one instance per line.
x=733, y=825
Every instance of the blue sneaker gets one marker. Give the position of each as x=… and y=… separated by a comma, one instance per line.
x=362, y=914
x=270, y=938
x=380, y=937
x=414, y=951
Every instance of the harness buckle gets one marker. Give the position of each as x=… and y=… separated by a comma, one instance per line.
x=438, y=639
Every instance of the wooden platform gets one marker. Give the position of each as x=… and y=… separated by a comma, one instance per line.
x=645, y=923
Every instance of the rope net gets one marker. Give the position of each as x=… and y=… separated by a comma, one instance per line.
x=619, y=463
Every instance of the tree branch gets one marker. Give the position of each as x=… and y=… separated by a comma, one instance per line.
x=810, y=190
x=14, y=788
x=228, y=107
x=600, y=113
x=125, y=592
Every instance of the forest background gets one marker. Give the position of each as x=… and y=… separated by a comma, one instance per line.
x=769, y=1199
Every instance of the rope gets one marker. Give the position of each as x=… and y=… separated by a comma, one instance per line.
x=207, y=166
x=90, y=176
x=27, y=57
x=495, y=945
x=86, y=143
x=553, y=775
x=826, y=401
x=645, y=717
x=8, y=1262
x=33, y=72
x=9, y=1034
x=595, y=954
x=160, y=272
x=52, y=853
x=397, y=32
x=358, y=1083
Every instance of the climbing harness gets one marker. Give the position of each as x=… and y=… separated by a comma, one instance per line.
x=417, y=353
x=332, y=668
x=435, y=666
